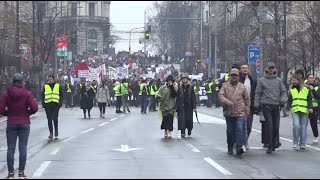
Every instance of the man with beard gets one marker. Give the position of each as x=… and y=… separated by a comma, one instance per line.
x=186, y=104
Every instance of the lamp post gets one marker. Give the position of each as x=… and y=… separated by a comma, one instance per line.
x=130, y=37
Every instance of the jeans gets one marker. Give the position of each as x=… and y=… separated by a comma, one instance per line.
x=13, y=132
x=271, y=114
x=125, y=103
x=118, y=102
x=144, y=102
x=300, y=124
x=235, y=130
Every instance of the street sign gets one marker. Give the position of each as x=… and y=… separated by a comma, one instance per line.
x=253, y=53
x=62, y=53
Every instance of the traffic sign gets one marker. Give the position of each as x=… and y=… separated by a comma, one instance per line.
x=253, y=53
x=60, y=52
x=208, y=60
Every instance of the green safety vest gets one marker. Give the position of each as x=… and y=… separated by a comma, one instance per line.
x=226, y=77
x=94, y=89
x=124, y=88
x=153, y=92
x=196, y=90
x=68, y=88
x=314, y=101
x=141, y=88
x=209, y=91
x=299, y=100
x=117, y=90
x=51, y=95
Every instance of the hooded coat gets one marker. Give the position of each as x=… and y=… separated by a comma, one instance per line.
x=18, y=104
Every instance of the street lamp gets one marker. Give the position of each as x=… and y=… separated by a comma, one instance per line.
x=130, y=37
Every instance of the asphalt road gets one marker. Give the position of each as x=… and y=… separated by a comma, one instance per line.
x=132, y=146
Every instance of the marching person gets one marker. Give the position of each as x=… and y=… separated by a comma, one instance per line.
x=236, y=101
x=186, y=105
x=102, y=97
x=250, y=85
x=68, y=89
x=314, y=89
x=118, y=96
x=143, y=96
x=152, y=94
x=208, y=88
x=52, y=98
x=270, y=96
x=124, y=88
x=87, y=95
x=300, y=102
x=17, y=104
x=196, y=91
x=167, y=95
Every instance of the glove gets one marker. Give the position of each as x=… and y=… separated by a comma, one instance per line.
x=256, y=111
x=282, y=104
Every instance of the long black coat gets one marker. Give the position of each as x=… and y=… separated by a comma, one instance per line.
x=86, y=101
x=185, y=106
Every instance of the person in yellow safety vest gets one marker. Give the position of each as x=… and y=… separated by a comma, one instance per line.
x=196, y=91
x=208, y=89
x=118, y=95
x=143, y=95
x=152, y=94
x=68, y=89
x=314, y=88
x=52, y=98
x=124, y=88
x=94, y=85
x=300, y=102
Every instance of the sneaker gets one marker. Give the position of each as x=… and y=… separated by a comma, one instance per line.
x=302, y=146
x=247, y=146
x=103, y=116
x=22, y=175
x=240, y=151
x=316, y=139
x=169, y=134
x=165, y=133
x=295, y=146
x=50, y=136
x=56, y=134
x=10, y=175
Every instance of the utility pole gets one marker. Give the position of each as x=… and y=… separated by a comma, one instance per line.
x=209, y=31
x=33, y=34
x=17, y=39
x=201, y=29
x=215, y=56
x=145, y=28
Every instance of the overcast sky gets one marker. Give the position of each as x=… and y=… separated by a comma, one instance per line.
x=124, y=16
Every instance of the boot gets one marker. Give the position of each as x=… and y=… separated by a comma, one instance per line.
x=50, y=135
x=89, y=115
x=84, y=116
x=56, y=134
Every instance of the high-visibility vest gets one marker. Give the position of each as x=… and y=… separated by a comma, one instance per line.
x=68, y=88
x=300, y=100
x=124, y=88
x=141, y=88
x=314, y=100
x=196, y=90
x=152, y=91
x=117, y=90
x=52, y=95
x=80, y=86
x=94, y=89
x=209, y=91
x=226, y=77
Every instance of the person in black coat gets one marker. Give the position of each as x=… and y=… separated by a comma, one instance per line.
x=186, y=104
x=87, y=94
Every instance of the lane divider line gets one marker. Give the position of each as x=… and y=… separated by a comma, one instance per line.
x=103, y=124
x=68, y=139
x=194, y=149
x=54, y=152
x=113, y=119
x=41, y=169
x=217, y=166
x=88, y=130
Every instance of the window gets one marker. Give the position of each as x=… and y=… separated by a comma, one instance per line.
x=91, y=9
x=74, y=9
x=92, y=34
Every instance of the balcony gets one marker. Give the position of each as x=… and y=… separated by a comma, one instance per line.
x=88, y=18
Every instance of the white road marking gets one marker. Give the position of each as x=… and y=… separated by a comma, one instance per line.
x=126, y=148
x=54, y=152
x=87, y=130
x=113, y=119
x=103, y=124
x=122, y=115
x=192, y=147
x=68, y=139
x=217, y=166
x=41, y=169
x=3, y=148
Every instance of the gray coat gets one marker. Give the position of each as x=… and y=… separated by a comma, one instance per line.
x=270, y=90
x=102, y=95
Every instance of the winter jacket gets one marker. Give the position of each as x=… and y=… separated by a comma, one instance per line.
x=102, y=95
x=239, y=97
x=167, y=94
x=18, y=104
x=270, y=90
x=253, y=84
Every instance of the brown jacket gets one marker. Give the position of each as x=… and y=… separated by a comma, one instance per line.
x=236, y=104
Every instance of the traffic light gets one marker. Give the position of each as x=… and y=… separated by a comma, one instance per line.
x=140, y=41
x=147, y=34
x=198, y=61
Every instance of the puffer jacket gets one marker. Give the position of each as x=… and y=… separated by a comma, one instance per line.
x=18, y=104
x=240, y=99
x=102, y=95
